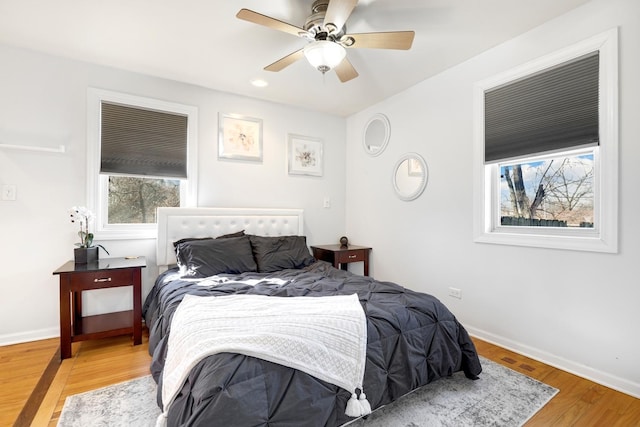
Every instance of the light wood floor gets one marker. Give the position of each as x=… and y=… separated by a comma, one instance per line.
x=102, y=362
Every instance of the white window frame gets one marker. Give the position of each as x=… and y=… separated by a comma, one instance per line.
x=604, y=236
x=98, y=185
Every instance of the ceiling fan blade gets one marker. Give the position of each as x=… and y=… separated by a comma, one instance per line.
x=338, y=12
x=286, y=61
x=267, y=21
x=345, y=71
x=392, y=40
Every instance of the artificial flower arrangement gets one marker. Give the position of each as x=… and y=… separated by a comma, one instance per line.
x=83, y=216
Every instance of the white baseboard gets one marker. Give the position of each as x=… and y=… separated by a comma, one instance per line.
x=620, y=384
x=22, y=337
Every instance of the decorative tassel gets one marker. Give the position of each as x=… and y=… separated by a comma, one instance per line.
x=354, y=408
x=162, y=420
x=364, y=403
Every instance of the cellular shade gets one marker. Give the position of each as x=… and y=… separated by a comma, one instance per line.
x=135, y=141
x=551, y=110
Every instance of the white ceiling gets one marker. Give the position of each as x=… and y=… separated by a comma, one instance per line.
x=203, y=43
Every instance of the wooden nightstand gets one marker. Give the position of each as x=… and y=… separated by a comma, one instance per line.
x=342, y=255
x=105, y=273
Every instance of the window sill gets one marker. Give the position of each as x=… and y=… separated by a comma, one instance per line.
x=590, y=242
x=127, y=234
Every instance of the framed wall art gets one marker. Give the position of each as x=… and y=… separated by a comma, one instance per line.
x=240, y=137
x=305, y=155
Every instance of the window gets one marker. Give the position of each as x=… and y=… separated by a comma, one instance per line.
x=141, y=155
x=545, y=151
x=552, y=191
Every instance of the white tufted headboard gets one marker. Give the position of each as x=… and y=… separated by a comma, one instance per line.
x=178, y=223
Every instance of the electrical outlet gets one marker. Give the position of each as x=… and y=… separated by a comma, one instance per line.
x=326, y=203
x=8, y=192
x=455, y=292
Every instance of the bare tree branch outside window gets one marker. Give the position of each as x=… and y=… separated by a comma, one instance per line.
x=551, y=192
x=133, y=200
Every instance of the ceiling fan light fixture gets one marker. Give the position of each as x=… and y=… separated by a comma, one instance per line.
x=324, y=55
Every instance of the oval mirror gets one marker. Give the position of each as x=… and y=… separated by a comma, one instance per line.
x=376, y=134
x=410, y=176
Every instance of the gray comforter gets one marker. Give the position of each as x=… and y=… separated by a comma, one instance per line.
x=412, y=339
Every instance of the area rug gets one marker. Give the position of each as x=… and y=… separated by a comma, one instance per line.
x=501, y=398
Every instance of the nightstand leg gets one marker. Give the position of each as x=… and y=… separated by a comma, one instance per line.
x=65, y=318
x=137, y=307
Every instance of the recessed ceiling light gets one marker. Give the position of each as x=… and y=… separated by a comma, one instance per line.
x=259, y=83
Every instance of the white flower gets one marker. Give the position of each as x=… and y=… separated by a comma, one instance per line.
x=82, y=216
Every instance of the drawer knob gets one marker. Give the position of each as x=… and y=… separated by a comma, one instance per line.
x=353, y=256
x=106, y=279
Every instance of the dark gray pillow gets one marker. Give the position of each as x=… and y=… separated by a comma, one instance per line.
x=280, y=252
x=191, y=239
x=208, y=257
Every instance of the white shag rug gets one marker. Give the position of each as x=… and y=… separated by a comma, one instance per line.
x=501, y=398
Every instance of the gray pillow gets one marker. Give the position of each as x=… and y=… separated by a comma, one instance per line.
x=280, y=252
x=191, y=239
x=208, y=257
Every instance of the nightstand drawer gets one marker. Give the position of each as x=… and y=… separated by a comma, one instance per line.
x=101, y=279
x=351, y=256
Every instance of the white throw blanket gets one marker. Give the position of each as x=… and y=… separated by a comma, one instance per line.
x=325, y=337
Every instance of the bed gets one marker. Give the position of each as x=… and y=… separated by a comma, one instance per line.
x=409, y=339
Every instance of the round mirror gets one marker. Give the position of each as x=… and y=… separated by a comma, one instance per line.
x=410, y=176
x=376, y=134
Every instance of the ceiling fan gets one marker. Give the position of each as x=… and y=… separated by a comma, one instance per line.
x=326, y=32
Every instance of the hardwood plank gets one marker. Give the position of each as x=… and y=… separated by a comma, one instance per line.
x=45, y=415
x=558, y=410
x=21, y=366
x=606, y=407
x=30, y=408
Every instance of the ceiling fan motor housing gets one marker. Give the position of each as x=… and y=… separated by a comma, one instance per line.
x=315, y=23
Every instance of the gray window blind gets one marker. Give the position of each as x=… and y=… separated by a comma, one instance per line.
x=554, y=109
x=135, y=141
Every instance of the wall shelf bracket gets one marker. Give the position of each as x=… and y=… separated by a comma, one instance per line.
x=59, y=149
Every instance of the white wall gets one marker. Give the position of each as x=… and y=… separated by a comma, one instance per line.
x=43, y=103
x=575, y=310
